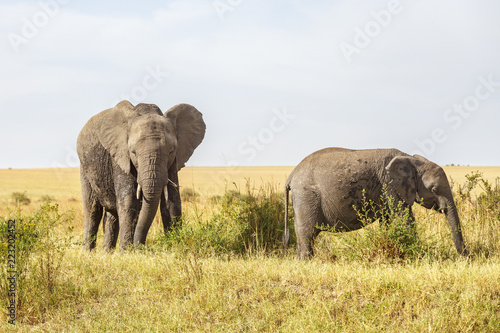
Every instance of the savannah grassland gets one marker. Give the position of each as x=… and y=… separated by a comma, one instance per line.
x=225, y=270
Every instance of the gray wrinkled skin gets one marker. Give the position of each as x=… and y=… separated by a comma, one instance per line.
x=327, y=183
x=129, y=162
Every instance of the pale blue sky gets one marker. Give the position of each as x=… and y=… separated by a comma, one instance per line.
x=275, y=80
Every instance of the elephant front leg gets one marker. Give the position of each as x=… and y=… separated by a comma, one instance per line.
x=171, y=209
x=111, y=228
x=410, y=222
x=92, y=218
x=166, y=218
x=128, y=211
x=170, y=214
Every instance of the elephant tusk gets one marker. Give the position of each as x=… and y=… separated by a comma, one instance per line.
x=139, y=192
x=174, y=184
x=165, y=192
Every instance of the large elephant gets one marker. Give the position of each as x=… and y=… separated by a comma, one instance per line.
x=129, y=160
x=327, y=183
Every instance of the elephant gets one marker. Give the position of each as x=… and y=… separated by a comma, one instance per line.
x=328, y=184
x=129, y=163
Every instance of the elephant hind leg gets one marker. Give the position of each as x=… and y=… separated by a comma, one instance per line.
x=92, y=211
x=111, y=228
x=305, y=242
x=307, y=215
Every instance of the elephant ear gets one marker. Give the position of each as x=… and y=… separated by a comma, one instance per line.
x=190, y=130
x=403, y=176
x=113, y=132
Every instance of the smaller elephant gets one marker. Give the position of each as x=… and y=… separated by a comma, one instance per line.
x=130, y=157
x=328, y=183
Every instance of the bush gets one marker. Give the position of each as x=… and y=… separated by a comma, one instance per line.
x=247, y=223
x=488, y=200
x=390, y=239
x=47, y=198
x=482, y=211
x=21, y=198
x=39, y=252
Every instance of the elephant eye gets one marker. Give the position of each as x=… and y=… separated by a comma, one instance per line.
x=434, y=189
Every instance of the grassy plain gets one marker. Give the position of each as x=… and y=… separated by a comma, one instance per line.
x=185, y=288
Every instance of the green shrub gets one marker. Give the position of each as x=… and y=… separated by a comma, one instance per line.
x=246, y=223
x=391, y=239
x=482, y=213
x=47, y=198
x=39, y=248
x=21, y=198
x=489, y=200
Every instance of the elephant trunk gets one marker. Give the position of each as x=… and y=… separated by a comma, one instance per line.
x=456, y=231
x=152, y=178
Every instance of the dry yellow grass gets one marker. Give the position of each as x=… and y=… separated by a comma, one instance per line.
x=457, y=173
x=62, y=184
x=212, y=180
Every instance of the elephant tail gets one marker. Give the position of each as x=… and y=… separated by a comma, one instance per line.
x=286, y=233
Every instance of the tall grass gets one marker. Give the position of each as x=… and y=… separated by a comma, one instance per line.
x=480, y=214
